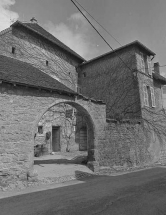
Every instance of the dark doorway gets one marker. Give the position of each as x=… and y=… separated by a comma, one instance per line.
x=83, y=139
x=55, y=138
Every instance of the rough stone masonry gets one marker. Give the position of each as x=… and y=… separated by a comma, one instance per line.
x=21, y=108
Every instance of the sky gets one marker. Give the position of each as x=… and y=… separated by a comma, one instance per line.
x=126, y=20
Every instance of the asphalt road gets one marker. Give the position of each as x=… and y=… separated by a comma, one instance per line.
x=141, y=193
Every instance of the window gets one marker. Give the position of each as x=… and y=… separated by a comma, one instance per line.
x=40, y=129
x=164, y=89
x=78, y=88
x=142, y=62
x=149, y=65
x=84, y=74
x=146, y=101
x=46, y=62
x=149, y=97
x=13, y=50
x=152, y=96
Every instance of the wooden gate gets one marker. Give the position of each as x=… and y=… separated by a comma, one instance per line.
x=83, y=139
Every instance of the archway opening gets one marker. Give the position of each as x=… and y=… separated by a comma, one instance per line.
x=65, y=127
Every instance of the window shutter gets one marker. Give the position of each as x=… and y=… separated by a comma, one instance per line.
x=146, y=102
x=142, y=62
x=149, y=65
x=152, y=97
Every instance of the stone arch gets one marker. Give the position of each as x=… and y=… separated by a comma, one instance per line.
x=82, y=107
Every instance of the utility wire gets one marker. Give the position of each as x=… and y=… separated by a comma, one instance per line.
x=98, y=23
x=102, y=28
x=100, y=34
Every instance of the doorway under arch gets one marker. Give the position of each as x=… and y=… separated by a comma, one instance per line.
x=82, y=108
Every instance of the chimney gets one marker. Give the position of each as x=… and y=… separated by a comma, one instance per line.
x=33, y=20
x=157, y=68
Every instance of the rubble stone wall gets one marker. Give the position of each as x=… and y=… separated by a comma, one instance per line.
x=129, y=145
x=111, y=79
x=21, y=109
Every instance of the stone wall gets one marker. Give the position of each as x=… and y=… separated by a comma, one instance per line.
x=110, y=78
x=129, y=144
x=20, y=112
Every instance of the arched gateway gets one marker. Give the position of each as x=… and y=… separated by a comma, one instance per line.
x=93, y=114
x=20, y=111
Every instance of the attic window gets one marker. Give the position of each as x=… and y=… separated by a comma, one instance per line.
x=46, y=62
x=13, y=50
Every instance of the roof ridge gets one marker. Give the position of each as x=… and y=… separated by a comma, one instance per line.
x=135, y=42
x=57, y=41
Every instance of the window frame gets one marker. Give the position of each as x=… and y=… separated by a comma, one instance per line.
x=153, y=96
x=142, y=62
x=149, y=63
x=146, y=99
x=40, y=129
x=13, y=50
x=146, y=96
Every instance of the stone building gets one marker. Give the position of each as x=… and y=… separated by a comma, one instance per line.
x=131, y=87
x=123, y=78
x=39, y=75
x=26, y=94
x=29, y=42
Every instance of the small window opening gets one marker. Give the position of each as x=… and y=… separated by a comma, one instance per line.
x=46, y=62
x=13, y=50
x=84, y=74
x=78, y=89
x=40, y=129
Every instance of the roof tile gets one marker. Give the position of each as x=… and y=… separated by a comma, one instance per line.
x=12, y=70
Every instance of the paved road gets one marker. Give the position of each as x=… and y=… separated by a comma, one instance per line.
x=137, y=193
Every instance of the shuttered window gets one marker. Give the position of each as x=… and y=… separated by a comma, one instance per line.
x=142, y=62
x=152, y=97
x=146, y=101
x=149, y=65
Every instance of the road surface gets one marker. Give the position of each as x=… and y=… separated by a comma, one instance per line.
x=142, y=192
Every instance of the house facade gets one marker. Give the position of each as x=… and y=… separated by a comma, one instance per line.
x=124, y=79
x=131, y=86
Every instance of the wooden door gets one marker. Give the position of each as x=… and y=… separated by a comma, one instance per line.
x=83, y=139
x=55, y=138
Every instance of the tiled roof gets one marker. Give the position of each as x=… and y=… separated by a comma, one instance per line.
x=42, y=32
x=159, y=78
x=18, y=72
